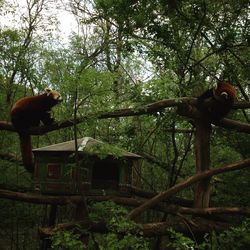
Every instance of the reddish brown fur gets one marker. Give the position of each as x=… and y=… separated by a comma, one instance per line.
x=26, y=152
x=220, y=104
x=226, y=87
x=28, y=112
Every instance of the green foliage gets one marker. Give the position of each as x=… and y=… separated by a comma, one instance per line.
x=121, y=236
x=179, y=241
x=235, y=238
x=112, y=214
x=103, y=150
x=129, y=53
x=67, y=240
x=123, y=233
x=232, y=239
x=127, y=242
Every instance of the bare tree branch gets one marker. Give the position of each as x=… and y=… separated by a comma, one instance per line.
x=211, y=211
x=196, y=225
x=186, y=102
x=188, y=182
x=10, y=157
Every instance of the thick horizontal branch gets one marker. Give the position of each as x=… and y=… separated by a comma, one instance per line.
x=159, y=228
x=46, y=232
x=135, y=202
x=147, y=109
x=176, y=209
x=136, y=111
x=234, y=125
x=150, y=108
x=209, y=211
x=192, y=112
x=188, y=182
x=4, y=125
x=38, y=198
x=196, y=226
x=63, y=200
x=11, y=157
x=241, y=105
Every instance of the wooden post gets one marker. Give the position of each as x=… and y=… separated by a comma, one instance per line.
x=164, y=242
x=52, y=215
x=202, y=152
x=51, y=223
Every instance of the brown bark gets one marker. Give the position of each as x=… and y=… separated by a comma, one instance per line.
x=234, y=125
x=11, y=157
x=211, y=211
x=173, y=209
x=196, y=226
x=64, y=200
x=147, y=109
x=202, y=152
x=39, y=198
x=188, y=182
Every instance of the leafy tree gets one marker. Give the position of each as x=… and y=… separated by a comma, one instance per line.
x=128, y=54
x=121, y=231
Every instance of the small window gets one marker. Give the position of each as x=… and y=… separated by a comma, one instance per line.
x=54, y=170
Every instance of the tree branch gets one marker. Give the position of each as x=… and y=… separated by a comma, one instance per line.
x=188, y=182
x=234, y=125
x=196, y=225
x=10, y=157
x=210, y=211
x=38, y=198
x=147, y=109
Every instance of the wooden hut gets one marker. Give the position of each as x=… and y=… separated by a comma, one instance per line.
x=95, y=168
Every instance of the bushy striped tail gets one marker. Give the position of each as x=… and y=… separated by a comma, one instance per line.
x=26, y=151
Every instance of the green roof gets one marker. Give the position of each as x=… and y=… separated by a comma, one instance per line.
x=88, y=145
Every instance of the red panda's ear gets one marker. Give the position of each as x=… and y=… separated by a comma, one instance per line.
x=48, y=91
x=215, y=86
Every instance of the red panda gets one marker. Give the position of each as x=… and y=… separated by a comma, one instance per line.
x=28, y=112
x=222, y=97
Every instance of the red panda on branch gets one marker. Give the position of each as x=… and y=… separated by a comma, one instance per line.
x=28, y=112
x=216, y=103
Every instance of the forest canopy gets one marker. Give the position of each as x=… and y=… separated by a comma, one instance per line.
x=105, y=56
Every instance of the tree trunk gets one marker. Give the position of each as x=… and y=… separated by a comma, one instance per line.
x=202, y=152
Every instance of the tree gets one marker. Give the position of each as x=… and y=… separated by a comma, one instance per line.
x=134, y=58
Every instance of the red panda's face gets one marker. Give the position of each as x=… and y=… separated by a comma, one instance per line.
x=224, y=91
x=53, y=94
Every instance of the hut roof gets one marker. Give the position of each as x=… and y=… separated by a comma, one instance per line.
x=90, y=146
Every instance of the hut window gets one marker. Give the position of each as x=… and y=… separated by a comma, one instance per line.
x=53, y=170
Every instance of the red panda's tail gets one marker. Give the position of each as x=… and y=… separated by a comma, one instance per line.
x=26, y=151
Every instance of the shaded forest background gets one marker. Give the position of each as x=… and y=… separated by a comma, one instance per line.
x=123, y=54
